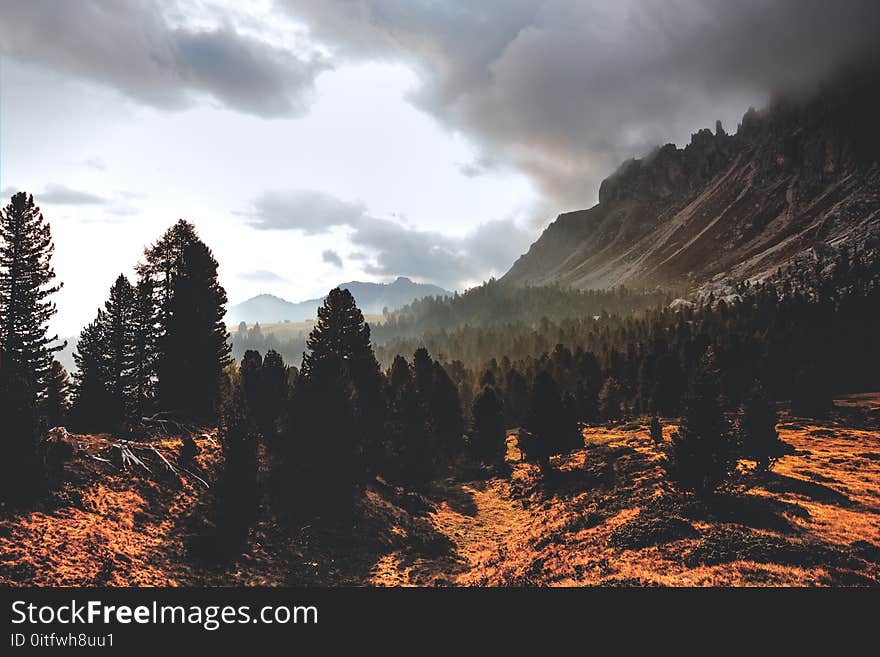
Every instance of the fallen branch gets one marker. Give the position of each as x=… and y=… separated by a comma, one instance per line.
x=176, y=469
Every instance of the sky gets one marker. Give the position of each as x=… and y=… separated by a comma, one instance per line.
x=313, y=142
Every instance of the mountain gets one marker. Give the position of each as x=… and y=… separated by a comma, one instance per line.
x=371, y=298
x=800, y=175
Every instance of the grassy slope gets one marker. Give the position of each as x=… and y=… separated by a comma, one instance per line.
x=607, y=518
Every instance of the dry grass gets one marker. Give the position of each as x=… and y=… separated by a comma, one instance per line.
x=606, y=517
x=611, y=519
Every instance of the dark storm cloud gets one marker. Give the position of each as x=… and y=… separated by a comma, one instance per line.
x=392, y=248
x=132, y=47
x=331, y=257
x=567, y=90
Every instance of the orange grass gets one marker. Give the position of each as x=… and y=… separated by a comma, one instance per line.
x=117, y=527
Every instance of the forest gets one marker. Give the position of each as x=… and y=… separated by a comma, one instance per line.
x=451, y=379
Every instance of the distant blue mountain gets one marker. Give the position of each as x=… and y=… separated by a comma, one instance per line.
x=371, y=298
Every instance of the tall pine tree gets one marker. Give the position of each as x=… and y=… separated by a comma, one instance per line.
x=488, y=438
x=26, y=349
x=27, y=283
x=56, y=404
x=193, y=344
x=342, y=334
x=144, y=335
x=701, y=454
x=119, y=345
x=92, y=378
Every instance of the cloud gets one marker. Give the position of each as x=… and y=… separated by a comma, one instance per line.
x=63, y=195
x=96, y=163
x=565, y=91
x=449, y=261
x=389, y=248
x=309, y=211
x=331, y=257
x=135, y=48
x=262, y=276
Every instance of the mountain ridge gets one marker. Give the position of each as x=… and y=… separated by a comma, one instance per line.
x=371, y=298
x=799, y=175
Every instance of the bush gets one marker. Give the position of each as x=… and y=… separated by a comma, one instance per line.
x=700, y=455
x=648, y=529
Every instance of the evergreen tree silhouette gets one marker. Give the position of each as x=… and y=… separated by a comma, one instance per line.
x=273, y=391
x=26, y=349
x=409, y=436
x=120, y=354
x=611, y=398
x=324, y=463
x=163, y=262
x=423, y=372
x=516, y=398
x=342, y=335
x=656, y=430
x=701, y=453
x=57, y=402
x=238, y=494
x=549, y=421
x=757, y=429
x=92, y=378
x=398, y=376
x=26, y=287
x=193, y=347
x=446, y=415
x=488, y=437
x=144, y=336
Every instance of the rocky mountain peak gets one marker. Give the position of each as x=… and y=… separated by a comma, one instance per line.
x=802, y=172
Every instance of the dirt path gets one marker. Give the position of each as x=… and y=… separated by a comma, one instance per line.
x=473, y=523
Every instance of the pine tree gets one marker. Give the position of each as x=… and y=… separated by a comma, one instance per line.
x=57, y=403
x=757, y=429
x=26, y=286
x=488, y=437
x=193, y=346
x=189, y=336
x=700, y=455
x=342, y=334
x=323, y=460
x=20, y=473
x=92, y=377
x=144, y=335
x=423, y=372
x=251, y=380
x=409, y=436
x=120, y=354
x=611, y=399
x=398, y=376
x=237, y=501
x=550, y=421
x=446, y=416
x=274, y=390
x=516, y=398
x=656, y=430
x=163, y=262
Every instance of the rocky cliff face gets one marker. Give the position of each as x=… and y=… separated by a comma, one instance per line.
x=802, y=174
